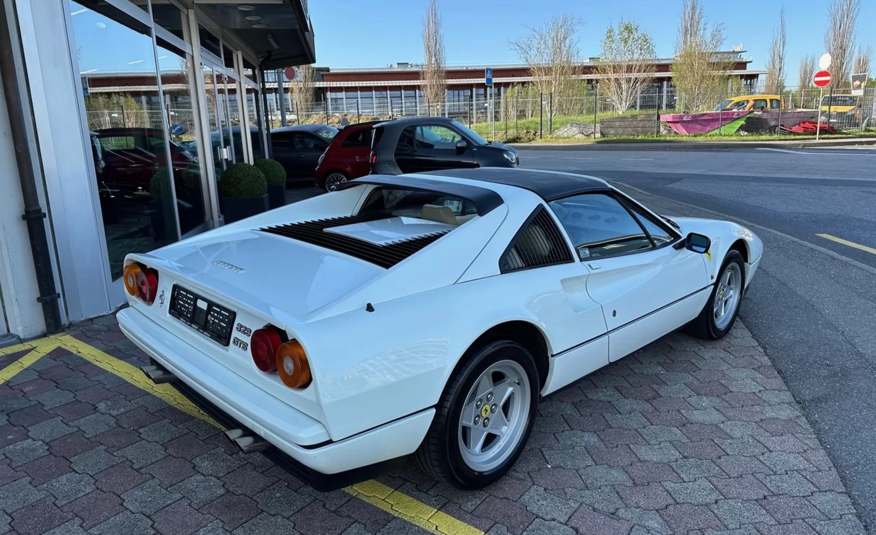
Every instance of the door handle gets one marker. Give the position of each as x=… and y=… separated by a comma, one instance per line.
x=593, y=267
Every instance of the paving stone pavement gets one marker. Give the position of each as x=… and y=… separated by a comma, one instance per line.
x=680, y=437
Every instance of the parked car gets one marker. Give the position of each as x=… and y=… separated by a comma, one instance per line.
x=752, y=103
x=425, y=314
x=298, y=148
x=346, y=157
x=128, y=158
x=845, y=111
x=432, y=144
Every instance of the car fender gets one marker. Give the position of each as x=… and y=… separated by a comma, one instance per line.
x=723, y=235
x=370, y=368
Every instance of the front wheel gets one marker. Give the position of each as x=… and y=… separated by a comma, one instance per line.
x=484, y=417
x=720, y=312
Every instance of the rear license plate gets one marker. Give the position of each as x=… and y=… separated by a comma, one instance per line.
x=202, y=315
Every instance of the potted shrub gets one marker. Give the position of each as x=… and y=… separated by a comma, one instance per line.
x=243, y=191
x=275, y=175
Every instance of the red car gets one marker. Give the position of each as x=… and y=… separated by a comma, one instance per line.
x=347, y=156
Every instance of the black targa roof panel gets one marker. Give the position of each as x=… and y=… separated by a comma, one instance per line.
x=548, y=185
x=485, y=200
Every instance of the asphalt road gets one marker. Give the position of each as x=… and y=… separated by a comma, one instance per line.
x=812, y=305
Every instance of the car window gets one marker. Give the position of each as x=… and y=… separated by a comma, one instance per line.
x=411, y=203
x=658, y=232
x=301, y=140
x=437, y=137
x=328, y=133
x=359, y=138
x=117, y=142
x=760, y=104
x=723, y=105
x=474, y=136
x=774, y=104
x=599, y=226
x=406, y=140
x=739, y=105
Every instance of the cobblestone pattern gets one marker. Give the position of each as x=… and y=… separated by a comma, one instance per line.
x=681, y=437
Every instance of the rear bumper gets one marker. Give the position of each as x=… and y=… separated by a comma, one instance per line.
x=232, y=400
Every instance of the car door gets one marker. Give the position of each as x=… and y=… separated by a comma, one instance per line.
x=438, y=147
x=646, y=287
x=354, y=151
x=405, y=152
x=282, y=150
x=311, y=148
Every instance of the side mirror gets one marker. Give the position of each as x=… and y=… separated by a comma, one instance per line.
x=696, y=243
x=461, y=145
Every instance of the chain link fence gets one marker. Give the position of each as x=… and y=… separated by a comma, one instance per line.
x=519, y=116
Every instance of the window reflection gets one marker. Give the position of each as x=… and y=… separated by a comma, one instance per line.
x=129, y=147
x=176, y=71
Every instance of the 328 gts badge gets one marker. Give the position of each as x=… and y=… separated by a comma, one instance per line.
x=237, y=342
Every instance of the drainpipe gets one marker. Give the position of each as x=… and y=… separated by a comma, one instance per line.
x=33, y=212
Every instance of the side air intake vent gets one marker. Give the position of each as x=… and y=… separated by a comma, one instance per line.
x=386, y=255
x=538, y=243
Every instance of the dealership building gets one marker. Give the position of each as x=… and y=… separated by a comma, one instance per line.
x=117, y=118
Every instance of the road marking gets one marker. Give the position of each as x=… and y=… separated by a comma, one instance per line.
x=782, y=150
x=377, y=494
x=848, y=243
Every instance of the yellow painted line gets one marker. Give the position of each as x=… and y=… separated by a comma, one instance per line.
x=848, y=243
x=416, y=512
x=377, y=494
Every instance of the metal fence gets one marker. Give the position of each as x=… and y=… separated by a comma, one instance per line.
x=511, y=116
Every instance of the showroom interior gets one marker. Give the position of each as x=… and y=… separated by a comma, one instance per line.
x=127, y=112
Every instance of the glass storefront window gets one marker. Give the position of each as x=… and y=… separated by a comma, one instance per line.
x=129, y=145
x=253, y=113
x=176, y=72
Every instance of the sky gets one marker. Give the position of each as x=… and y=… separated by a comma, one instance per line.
x=374, y=33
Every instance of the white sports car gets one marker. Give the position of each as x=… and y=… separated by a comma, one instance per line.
x=423, y=314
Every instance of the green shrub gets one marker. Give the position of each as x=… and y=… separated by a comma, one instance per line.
x=160, y=185
x=242, y=180
x=273, y=171
x=192, y=177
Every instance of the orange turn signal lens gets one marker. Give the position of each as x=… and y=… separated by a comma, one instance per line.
x=130, y=275
x=292, y=365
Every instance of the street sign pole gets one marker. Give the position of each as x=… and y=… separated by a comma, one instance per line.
x=818, y=116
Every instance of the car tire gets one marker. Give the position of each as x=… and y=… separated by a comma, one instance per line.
x=716, y=321
x=333, y=179
x=448, y=452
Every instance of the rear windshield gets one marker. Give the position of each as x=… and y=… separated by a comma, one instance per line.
x=327, y=132
x=359, y=138
x=419, y=204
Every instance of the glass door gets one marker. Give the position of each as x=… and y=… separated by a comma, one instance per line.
x=221, y=149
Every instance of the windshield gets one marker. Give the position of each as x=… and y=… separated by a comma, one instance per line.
x=841, y=100
x=474, y=136
x=723, y=105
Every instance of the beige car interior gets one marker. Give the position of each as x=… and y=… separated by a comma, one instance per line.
x=443, y=214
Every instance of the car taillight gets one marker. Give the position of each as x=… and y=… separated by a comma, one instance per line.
x=141, y=281
x=130, y=275
x=263, y=346
x=292, y=365
x=373, y=158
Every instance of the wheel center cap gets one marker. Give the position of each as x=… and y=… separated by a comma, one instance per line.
x=485, y=411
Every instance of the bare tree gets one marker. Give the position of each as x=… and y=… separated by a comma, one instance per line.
x=551, y=52
x=700, y=73
x=302, y=91
x=434, y=84
x=807, y=71
x=862, y=60
x=626, y=63
x=839, y=38
x=775, y=82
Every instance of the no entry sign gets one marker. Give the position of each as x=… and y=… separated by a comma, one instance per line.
x=821, y=79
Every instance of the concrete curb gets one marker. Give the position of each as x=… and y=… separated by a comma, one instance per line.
x=697, y=146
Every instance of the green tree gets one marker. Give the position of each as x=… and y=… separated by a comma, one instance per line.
x=625, y=63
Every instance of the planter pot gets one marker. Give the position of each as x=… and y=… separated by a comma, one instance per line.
x=234, y=209
x=277, y=196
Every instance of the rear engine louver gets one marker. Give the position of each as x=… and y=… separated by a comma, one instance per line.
x=386, y=255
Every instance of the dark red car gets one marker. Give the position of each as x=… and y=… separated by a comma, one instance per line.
x=347, y=156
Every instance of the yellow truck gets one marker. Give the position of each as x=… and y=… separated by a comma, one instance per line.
x=752, y=103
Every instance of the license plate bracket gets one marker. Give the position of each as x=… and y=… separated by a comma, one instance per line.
x=213, y=321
